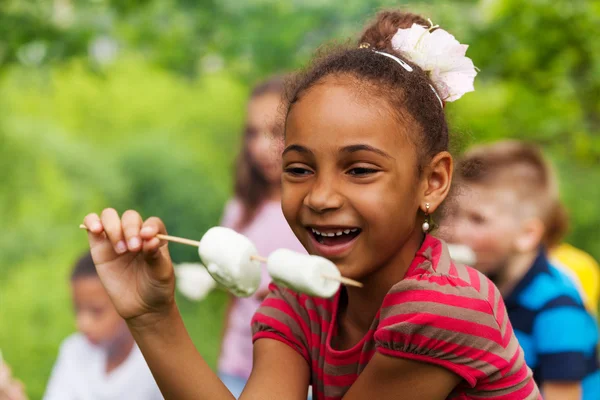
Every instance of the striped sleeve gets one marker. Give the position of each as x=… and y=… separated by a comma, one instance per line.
x=565, y=334
x=281, y=317
x=442, y=320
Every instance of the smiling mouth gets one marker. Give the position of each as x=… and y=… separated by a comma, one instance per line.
x=335, y=237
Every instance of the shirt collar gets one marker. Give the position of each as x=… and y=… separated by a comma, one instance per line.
x=539, y=266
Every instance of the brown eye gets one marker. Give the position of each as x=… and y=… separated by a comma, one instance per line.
x=362, y=171
x=297, y=171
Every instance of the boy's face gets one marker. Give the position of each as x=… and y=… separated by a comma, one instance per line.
x=485, y=218
x=95, y=315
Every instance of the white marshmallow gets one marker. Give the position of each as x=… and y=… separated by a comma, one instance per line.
x=194, y=281
x=226, y=255
x=303, y=273
x=462, y=254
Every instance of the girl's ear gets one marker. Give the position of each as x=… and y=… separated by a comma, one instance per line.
x=529, y=237
x=437, y=180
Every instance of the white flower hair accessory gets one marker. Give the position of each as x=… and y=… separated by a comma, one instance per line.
x=441, y=56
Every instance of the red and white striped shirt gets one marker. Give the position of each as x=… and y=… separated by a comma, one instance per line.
x=441, y=313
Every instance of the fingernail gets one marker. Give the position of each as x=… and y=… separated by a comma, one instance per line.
x=121, y=247
x=96, y=226
x=146, y=229
x=134, y=243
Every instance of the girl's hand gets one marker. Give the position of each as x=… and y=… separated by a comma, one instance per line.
x=132, y=263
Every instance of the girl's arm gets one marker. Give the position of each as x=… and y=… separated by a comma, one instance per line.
x=181, y=373
x=398, y=378
x=179, y=370
x=278, y=372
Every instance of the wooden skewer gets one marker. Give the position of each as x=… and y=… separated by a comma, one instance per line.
x=195, y=243
x=344, y=280
x=259, y=258
x=181, y=240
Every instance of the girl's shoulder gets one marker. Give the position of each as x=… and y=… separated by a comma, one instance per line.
x=450, y=315
x=434, y=277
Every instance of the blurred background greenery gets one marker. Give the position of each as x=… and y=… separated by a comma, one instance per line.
x=140, y=104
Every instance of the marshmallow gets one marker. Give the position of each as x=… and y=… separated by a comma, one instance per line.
x=303, y=273
x=226, y=255
x=462, y=254
x=194, y=281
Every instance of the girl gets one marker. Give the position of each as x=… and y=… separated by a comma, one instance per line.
x=365, y=164
x=256, y=213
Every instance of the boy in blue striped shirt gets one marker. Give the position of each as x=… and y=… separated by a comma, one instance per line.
x=508, y=212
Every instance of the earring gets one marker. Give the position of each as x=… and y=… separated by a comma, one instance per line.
x=427, y=224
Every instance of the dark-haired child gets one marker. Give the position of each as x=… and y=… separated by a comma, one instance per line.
x=256, y=213
x=509, y=212
x=365, y=164
x=101, y=361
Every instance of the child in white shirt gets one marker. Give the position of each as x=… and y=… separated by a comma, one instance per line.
x=101, y=361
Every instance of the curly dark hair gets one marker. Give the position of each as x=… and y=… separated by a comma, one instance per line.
x=410, y=95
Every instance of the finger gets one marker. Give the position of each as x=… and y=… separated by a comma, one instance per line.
x=95, y=230
x=151, y=227
x=132, y=223
x=152, y=247
x=93, y=224
x=112, y=227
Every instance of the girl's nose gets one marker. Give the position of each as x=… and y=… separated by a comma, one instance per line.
x=323, y=197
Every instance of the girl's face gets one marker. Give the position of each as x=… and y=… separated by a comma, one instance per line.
x=349, y=186
x=261, y=140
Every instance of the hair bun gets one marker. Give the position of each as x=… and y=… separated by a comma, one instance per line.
x=380, y=32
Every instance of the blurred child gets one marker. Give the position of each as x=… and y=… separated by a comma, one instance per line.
x=256, y=213
x=507, y=212
x=101, y=361
x=584, y=268
x=365, y=164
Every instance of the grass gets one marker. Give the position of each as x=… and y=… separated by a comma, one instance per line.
x=36, y=315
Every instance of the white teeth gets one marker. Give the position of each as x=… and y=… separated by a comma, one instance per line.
x=332, y=234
